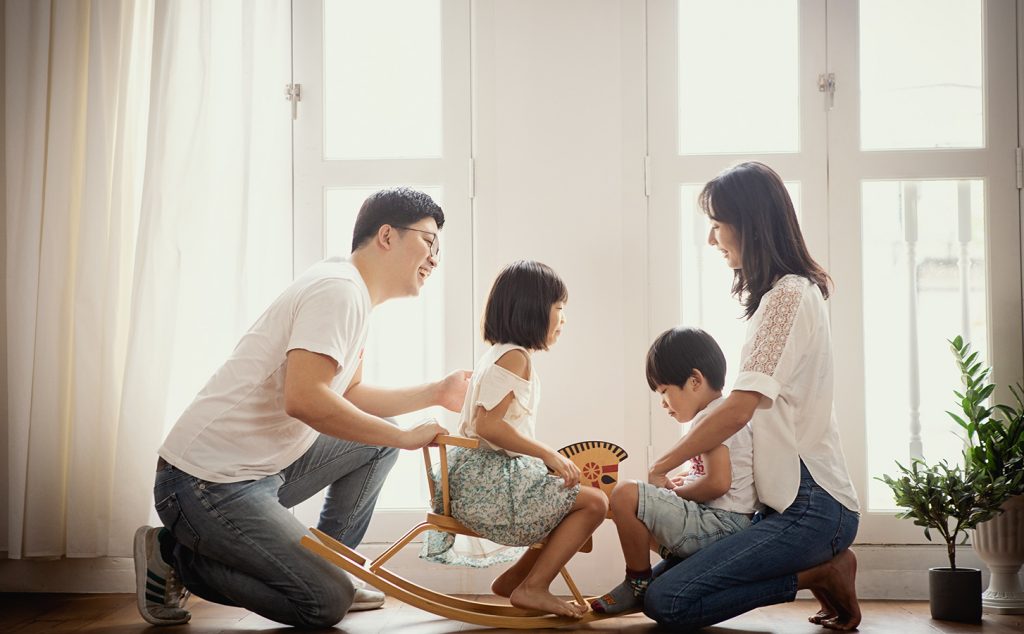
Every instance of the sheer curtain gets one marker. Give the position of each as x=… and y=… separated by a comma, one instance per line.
x=148, y=150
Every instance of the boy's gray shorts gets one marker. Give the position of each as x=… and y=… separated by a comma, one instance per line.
x=682, y=527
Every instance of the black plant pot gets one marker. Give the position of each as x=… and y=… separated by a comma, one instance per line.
x=955, y=595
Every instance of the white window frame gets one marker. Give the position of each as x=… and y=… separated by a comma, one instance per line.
x=830, y=167
x=452, y=171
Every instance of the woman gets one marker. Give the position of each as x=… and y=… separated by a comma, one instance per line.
x=784, y=389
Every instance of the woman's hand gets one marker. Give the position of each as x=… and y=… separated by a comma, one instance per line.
x=659, y=480
x=563, y=468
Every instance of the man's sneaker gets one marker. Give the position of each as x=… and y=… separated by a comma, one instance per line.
x=366, y=598
x=158, y=592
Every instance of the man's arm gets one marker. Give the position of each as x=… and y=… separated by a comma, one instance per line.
x=727, y=419
x=308, y=397
x=715, y=482
x=449, y=393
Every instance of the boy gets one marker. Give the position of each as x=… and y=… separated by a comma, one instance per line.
x=681, y=515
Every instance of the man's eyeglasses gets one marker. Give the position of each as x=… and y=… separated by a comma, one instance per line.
x=435, y=244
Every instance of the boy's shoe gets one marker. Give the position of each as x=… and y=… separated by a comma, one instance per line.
x=366, y=598
x=158, y=591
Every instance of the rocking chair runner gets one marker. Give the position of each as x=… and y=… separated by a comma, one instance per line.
x=476, y=612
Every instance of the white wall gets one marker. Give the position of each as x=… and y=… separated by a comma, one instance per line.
x=558, y=125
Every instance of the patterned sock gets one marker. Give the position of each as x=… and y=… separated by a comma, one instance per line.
x=628, y=595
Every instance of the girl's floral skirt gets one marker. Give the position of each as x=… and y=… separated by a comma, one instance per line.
x=512, y=501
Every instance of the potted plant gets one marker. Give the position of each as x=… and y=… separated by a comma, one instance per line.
x=995, y=450
x=952, y=499
x=946, y=499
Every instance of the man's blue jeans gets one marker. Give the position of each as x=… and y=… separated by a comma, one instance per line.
x=756, y=566
x=238, y=544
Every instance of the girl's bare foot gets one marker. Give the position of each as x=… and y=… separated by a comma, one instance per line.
x=506, y=583
x=826, y=612
x=541, y=599
x=836, y=579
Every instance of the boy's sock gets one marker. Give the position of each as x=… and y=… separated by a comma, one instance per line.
x=628, y=595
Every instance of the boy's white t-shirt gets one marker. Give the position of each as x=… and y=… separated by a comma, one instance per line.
x=236, y=428
x=489, y=386
x=742, y=495
x=787, y=358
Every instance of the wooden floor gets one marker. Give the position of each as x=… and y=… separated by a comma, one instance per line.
x=116, y=614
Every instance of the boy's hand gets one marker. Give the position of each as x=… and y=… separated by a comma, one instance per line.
x=563, y=468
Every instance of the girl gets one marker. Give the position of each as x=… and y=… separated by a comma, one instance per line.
x=784, y=388
x=503, y=491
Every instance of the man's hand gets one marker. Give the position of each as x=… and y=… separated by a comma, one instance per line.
x=421, y=435
x=563, y=468
x=450, y=392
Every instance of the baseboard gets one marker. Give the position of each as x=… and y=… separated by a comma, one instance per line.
x=884, y=572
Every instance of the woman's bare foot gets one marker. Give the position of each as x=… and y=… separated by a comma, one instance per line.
x=541, y=599
x=837, y=580
x=826, y=612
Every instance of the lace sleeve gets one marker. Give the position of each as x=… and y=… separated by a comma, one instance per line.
x=772, y=335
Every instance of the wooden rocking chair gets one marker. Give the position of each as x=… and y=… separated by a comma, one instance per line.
x=475, y=612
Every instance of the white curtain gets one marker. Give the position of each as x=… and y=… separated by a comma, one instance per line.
x=148, y=154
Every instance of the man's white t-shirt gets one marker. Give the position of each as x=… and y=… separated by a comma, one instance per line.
x=236, y=428
x=787, y=358
x=741, y=496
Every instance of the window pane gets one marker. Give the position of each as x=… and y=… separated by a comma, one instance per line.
x=930, y=234
x=404, y=346
x=706, y=297
x=738, y=77
x=382, y=79
x=921, y=74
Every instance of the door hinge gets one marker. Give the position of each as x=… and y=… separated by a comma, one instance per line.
x=472, y=178
x=1020, y=169
x=827, y=85
x=647, y=176
x=293, y=93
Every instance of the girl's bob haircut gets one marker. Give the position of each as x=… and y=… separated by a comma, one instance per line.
x=518, y=309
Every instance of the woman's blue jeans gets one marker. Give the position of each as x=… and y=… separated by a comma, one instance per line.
x=238, y=544
x=756, y=566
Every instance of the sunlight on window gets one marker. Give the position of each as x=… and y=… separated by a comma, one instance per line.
x=405, y=343
x=738, y=77
x=921, y=79
x=382, y=79
x=930, y=234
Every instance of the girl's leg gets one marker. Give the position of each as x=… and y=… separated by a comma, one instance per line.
x=583, y=519
x=758, y=566
x=508, y=581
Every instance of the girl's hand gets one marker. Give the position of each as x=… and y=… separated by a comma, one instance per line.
x=563, y=468
x=678, y=481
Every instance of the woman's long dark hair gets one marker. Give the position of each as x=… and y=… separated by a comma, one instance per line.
x=753, y=200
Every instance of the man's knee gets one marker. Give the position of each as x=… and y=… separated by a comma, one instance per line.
x=332, y=597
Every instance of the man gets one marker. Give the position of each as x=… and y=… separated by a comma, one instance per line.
x=286, y=416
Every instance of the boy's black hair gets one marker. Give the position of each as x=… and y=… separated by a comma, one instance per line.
x=677, y=352
x=398, y=207
x=519, y=307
